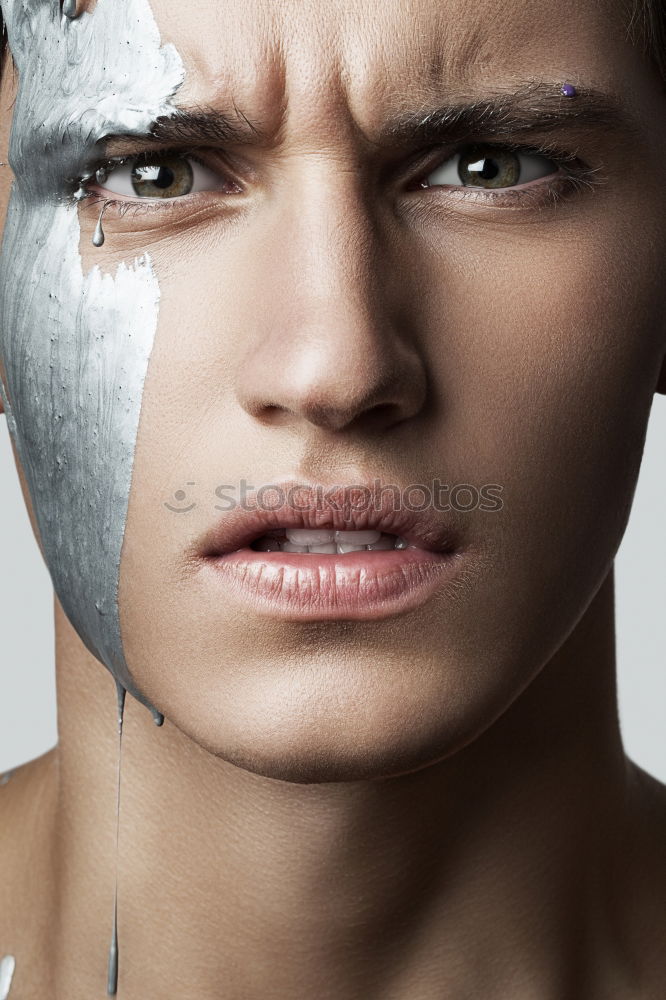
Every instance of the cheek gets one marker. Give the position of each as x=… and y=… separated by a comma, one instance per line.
x=552, y=343
x=549, y=371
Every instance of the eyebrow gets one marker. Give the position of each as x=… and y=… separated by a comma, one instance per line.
x=198, y=126
x=535, y=108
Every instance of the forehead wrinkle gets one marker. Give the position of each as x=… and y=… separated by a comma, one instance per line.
x=289, y=67
x=248, y=77
x=458, y=47
x=408, y=69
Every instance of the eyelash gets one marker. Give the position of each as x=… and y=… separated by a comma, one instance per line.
x=573, y=177
x=123, y=206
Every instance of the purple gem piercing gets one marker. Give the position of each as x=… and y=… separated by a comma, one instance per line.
x=568, y=90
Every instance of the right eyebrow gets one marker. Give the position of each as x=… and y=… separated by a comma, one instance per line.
x=536, y=108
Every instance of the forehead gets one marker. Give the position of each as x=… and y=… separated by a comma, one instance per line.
x=372, y=56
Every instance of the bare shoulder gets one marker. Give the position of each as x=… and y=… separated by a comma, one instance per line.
x=28, y=799
x=27, y=794
x=21, y=786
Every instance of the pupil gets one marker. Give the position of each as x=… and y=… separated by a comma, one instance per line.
x=488, y=168
x=155, y=175
x=165, y=177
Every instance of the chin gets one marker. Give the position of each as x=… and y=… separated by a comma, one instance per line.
x=318, y=767
x=309, y=749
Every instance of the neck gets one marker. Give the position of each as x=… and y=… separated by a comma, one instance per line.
x=421, y=885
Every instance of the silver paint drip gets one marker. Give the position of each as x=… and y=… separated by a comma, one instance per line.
x=112, y=976
x=158, y=718
x=98, y=235
x=69, y=8
x=7, y=967
x=75, y=345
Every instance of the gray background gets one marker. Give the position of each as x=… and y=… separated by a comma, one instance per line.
x=27, y=683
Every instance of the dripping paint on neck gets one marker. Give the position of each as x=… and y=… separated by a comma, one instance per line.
x=73, y=396
x=7, y=968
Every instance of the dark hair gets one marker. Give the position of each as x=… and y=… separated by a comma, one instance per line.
x=646, y=27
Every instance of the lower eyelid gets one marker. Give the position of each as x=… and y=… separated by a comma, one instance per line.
x=119, y=208
x=547, y=189
x=541, y=192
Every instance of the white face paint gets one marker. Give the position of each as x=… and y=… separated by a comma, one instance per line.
x=75, y=346
x=7, y=967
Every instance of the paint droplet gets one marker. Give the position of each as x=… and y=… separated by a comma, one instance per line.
x=7, y=966
x=112, y=971
x=98, y=236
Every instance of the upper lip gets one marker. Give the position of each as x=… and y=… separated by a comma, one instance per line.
x=241, y=526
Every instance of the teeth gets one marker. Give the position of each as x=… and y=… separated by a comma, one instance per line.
x=310, y=536
x=357, y=537
x=328, y=542
x=292, y=547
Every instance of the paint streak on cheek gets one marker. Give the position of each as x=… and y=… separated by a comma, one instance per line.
x=75, y=340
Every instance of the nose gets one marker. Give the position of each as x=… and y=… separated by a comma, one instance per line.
x=330, y=344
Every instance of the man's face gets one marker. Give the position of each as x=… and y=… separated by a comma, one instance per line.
x=325, y=317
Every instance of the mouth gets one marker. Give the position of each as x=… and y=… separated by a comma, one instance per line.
x=304, y=563
x=327, y=542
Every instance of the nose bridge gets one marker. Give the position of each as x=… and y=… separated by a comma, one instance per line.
x=332, y=247
x=329, y=345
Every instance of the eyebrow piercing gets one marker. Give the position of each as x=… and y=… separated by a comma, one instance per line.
x=98, y=236
x=568, y=90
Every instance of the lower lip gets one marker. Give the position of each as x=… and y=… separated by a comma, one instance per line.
x=319, y=587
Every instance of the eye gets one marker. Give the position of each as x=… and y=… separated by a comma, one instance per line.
x=490, y=167
x=157, y=175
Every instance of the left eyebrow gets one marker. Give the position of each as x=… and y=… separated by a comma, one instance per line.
x=196, y=126
x=535, y=108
